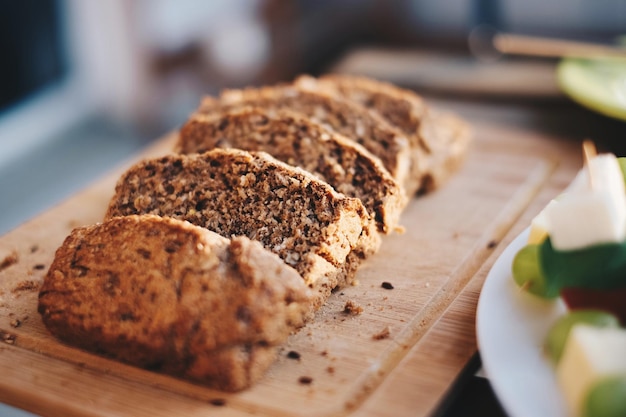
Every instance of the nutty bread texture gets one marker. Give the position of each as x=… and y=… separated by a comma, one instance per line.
x=166, y=295
x=233, y=192
x=297, y=140
x=206, y=261
x=349, y=118
x=438, y=141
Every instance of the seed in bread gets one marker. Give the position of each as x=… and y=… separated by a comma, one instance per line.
x=344, y=116
x=167, y=295
x=233, y=192
x=295, y=139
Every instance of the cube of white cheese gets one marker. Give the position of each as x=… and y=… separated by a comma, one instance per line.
x=539, y=225
x=590, y=353
x=585, y=219
x=590, y=211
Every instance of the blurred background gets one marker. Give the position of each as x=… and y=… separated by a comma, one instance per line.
x=84, y=84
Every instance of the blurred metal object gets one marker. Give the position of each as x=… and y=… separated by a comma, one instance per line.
x=481, y=43
x=507, y=43
x=454, y=74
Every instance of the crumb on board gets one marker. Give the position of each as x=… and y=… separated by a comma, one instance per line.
x=352, y=308
x=218, y=402
x=8, y=338
x=330, y=370
x=34, y=248
x=383, y=334
x=305, y=380
x=292, y=354
x=39, y=267
x=8, y=257
x=492, y=244
x=26, y=286
x=387, y=285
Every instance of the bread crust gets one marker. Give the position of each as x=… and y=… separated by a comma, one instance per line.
x=237, y=193
x=167, y=295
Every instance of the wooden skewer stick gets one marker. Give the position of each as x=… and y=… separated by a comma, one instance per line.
x=509, y=43
x=589, y=152
x=524, y=286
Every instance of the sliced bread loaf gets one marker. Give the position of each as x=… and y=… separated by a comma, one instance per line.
x=437, y=149
x=167, y=295
x=343, y=116
x=297, y=140
x=233, y=192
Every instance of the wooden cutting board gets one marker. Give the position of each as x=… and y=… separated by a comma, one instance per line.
x=436, y=268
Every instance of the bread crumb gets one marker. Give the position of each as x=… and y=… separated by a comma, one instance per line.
x=8, y=257
x=218, y=402
x=26, y=286
x=7, y=338
x=387, y=285
x=383, y=334
x=352, y=308
x=305, y=380
x=15, y=323
x=292, y=354
x=330, y=370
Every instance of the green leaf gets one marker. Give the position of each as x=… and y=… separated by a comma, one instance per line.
x=598, y=267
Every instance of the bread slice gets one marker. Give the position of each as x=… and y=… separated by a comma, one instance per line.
x=343, y=116
x=297, y=140
x=448, y=137
x=437, y=150
x=167, y=295
x=233, y=192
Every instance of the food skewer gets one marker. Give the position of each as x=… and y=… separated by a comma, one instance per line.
x=589, y=152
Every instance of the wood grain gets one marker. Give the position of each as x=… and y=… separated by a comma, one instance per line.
x=437, y=268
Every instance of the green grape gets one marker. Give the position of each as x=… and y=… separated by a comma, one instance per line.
x=606, y=398
x=527, y=273
x=559, y=332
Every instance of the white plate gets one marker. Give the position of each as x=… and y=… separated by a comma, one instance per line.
x=511, y=326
